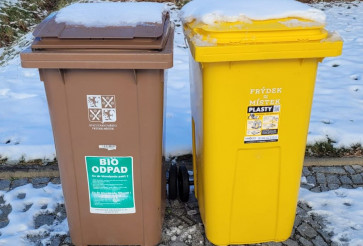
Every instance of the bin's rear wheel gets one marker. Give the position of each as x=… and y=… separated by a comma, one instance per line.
x=173, y=182
x=183, y=184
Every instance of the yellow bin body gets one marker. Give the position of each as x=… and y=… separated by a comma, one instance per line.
x=251, y=95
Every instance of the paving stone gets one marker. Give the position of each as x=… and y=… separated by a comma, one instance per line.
x=297, y=221
x=336, y=170
x=306, y=230
x=60, y=211
x=301, y=212
x=312, y=222
x=21, y=195
x=344, y=239
x=55, y=241
x=67, y=240
x=56, y=180
x=317, y=218
x=27, y=207
x=4, y=223
x=306, y=171
x=304, y=206
x=5, y=210
x=42, y=180
x=345, y=180
x=316, y=225
x=332, y=179
x=319, y=241
x=43, y=219
x=290, y=242
x=305, y=242
x=316, y=189
x=273, y=244
x=324, y=187
x=325, y=236
x=333, y=186
x=357, y=179
x=349, y=169
x=38, y=186
x=306, y=186
x=293, y=231
x=320, y=178
x=311, y=180
x=345, y=186
x=4, y=184
x=319, y=169
x=18, y=182
x=358, y=168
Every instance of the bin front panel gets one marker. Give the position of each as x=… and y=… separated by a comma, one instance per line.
x=248, y=181
x=130, y=121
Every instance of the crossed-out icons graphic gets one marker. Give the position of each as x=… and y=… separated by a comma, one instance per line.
x=101, y=108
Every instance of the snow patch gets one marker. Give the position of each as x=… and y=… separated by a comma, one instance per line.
x=299, y=23
x=199, y=41
x=343, y=210
x=212, y=11
x=111, y=14
x=22, y=222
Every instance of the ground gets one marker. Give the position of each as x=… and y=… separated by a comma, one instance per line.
x=44, y=220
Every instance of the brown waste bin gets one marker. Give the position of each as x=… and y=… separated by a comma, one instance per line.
x=105, y=89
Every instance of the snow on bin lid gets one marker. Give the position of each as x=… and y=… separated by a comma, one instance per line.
x=111, y=14
x=124, y=20
x=211, y=11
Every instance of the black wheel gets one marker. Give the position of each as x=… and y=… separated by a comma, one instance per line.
x=183, y=184
x=173, y=182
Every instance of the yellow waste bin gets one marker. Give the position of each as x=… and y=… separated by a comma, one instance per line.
x=252, y=86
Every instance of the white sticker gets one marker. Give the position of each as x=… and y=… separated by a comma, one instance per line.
x=262, y=139
x=102, y=112
x=108, y=147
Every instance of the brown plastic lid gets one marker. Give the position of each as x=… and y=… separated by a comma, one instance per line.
x=63, y=46
x=49, y=28
x=52, y=35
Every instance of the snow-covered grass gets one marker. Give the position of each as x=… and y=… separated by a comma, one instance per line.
x=338, y=98
x=25, y=129
x=342, y=210
x=9, y=2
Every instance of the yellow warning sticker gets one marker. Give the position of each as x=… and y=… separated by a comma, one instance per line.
x=262, y=124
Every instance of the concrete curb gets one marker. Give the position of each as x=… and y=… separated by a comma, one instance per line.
x=326, y=161
x=33, y=171
x=21, y=171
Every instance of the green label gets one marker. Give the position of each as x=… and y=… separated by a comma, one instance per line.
x=110, y=184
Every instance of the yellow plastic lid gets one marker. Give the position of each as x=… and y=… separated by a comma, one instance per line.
x=276, y=30
x=261, y=39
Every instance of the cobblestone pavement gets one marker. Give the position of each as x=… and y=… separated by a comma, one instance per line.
x=183, y=225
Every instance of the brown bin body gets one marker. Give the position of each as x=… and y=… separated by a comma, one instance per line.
x=74, y=63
